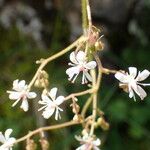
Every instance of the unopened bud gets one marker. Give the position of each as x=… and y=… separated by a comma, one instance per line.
x=31, y=145
x=99, y=46
x=102, y=123
x=77, y=118
x=76, y=108
x=44, y=144
x=42, y=80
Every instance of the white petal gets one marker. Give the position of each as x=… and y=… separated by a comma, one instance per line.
x=72, y=71
x=14, y=95
x=21, y=86
x=143, y=75
x=121, y=77
x=82, y=147
x=133, y=71
x=91, y=65
x=11, y=140
x=22, y=83
x=57, y=115
x=73, y=58
x=81, y=57
x=15, y=84
x=8, y=144
x=48, y=112
x=45, y=99
x=2, y=138
x=88, y=76
x=84, y=81
x=7, y=133
x=142, y=92
x=53, y=93
x=97, y=142
x=25, y=105
x=31, y=95
x=131, y=93
x=59, y=100
x=139, y=91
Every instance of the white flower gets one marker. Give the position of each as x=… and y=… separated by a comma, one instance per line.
x=6, y=140
x=132, y=81
x=80, y=64
x=88, y=142
x=51, y=104
x=21, y=93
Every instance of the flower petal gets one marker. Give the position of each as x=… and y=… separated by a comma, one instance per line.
x=121, y=77
x=53, y=93
x=21, y=86
x=59, y=100
x=48, y=112
x=133, y=71
x=91, y=65
x=7, y=133
x=73, y=58
x=14, y=95
x=82, y=147
x=45, y=99
x=2, y=138
x=81, y=57
x=97, y=142
x=72, y=70
x=15, y=84
x=57, y=114
x=131, y=93
x=143, y=75
x=31, y=95
x=25, y=105
x=88, y=76
x=141, y=92
x=8, y=144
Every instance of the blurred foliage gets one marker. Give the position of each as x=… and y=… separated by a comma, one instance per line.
x=129, y=120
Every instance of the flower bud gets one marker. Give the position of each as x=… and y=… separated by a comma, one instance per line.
x=102, y=123
x=44, y=144
x=42, y=80
x=99, y=46
x=75, y=108
x=31, y=145
x=77, y=118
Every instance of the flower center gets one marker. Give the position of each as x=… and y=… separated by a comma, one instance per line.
x=23, y=95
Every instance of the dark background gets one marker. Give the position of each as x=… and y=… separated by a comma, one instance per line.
x=34, y=29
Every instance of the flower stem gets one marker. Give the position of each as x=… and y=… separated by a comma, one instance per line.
x=51, y=58
x=84, y=16
x=86, y=106
x=89, y=13
x=89, y=91
x=39, y=130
